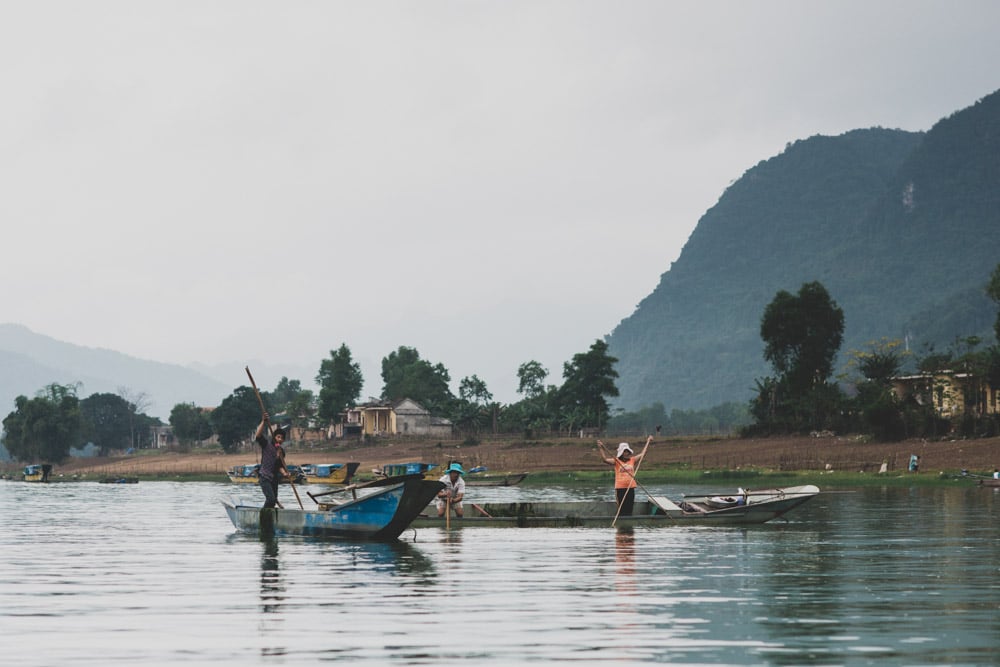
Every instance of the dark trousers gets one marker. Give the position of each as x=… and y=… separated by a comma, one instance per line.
x=270, y=489
x=627, y=503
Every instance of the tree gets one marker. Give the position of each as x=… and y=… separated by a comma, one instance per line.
x=406, y=375
x=291, y=399
x=235, y=418
x=107, y=421
x=45, y=427
x=473, y=407
x=802, y=335
x=189, y=423
x=531, y=379
x=138, y=402
x=340, y=384
x=993, y=290
x=587, y=379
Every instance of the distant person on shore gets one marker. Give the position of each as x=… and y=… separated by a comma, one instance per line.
x=453, y=492
x=625, y=463
x=272, y=462
x=914, y=463
x=996, y=473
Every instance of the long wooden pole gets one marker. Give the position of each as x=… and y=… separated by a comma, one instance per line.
x=263, y=411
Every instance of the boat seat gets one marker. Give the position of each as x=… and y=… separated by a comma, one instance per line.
x=664, y=503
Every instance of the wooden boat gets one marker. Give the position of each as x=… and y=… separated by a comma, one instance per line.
x=756, y=507
x=249, y=473
x=410, y=468
x=37, y=472
x=510, y=479
x=990, y=481
x=383, y=510
x=329, y=473
x=120, y=480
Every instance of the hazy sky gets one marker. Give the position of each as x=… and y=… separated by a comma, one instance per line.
x=488, y=182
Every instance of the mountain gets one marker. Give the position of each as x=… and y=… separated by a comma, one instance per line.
x=902, y=228
x=32, y=361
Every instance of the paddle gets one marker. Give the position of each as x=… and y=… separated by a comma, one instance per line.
x=263, y=411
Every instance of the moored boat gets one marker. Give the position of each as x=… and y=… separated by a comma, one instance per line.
x=249, y=473
x=37, y=472
x=382, y=510
x=329, y=473
x=510, y=479
x=120, y=480
x=410, y=468
x=756, y=507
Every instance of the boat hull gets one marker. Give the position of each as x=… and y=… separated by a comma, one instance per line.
x=760, y=508
x=382, y=514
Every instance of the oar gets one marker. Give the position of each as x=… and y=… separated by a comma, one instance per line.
x=262, y=412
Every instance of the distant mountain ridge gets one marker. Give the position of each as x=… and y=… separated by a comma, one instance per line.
x=903, y=229
x=31, y=361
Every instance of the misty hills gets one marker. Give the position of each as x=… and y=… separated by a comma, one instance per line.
x=902, y=228
x=32, y=361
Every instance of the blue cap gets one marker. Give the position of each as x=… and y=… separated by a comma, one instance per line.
x=457, y=467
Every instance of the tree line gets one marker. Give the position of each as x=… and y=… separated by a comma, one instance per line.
x=802, y=334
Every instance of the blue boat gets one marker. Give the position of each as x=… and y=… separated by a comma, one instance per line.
x=37, y=472
x=382, y=511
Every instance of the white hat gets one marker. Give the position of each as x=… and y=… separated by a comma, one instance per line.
x=622, y=448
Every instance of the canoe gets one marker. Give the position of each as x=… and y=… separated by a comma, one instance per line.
x=329, y=473
x=495, y=480
x=758, y=507
x=381, y=511
x=37, y=472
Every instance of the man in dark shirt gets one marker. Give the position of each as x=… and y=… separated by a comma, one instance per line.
x=272, y=462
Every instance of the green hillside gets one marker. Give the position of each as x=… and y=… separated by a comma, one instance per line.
x=902, y=228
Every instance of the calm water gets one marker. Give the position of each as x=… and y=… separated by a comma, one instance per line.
x=153, y=573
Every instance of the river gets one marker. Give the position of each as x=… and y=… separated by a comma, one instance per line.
x=153, y=573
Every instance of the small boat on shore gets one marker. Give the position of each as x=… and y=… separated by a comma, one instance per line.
x=37, y=472
x=329, y=473
x=749, y=507
x=120, y=480
x=382, y=510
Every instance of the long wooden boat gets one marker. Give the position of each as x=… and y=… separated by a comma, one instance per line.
x=249, y=473
x=329, y=473
x=495, y=480
x=992, y=481
x=717, y=509
x=382, y=510
x=120, y=480
x=37, y=472
x=409, y=468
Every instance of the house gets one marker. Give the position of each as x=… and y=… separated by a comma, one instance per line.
x=403, y=417
x=949, y=393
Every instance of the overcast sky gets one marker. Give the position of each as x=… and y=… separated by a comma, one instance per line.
x=487, y=182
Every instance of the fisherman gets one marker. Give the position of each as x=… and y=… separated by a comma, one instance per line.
x=272, y=462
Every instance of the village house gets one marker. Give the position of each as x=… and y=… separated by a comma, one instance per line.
x=949, y=393
x=403, y=417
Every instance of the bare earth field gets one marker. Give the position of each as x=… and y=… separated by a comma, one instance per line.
x=842, y=454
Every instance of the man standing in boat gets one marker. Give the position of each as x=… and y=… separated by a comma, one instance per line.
x=625, y=463
x=272, y=461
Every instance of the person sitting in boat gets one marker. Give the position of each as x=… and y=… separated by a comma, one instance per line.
x=996, y=473
x=453, y=492
x=625, y=463
x=272, y=462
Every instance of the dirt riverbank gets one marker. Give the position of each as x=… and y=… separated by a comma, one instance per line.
x=843, y=454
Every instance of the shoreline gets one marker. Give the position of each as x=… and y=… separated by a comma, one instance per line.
x=678, y=459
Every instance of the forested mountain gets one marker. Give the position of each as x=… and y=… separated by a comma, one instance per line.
x=902, y=228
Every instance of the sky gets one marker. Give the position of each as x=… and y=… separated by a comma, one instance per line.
x=489, y=183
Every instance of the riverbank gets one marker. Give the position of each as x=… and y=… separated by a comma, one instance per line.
x=668, y=459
